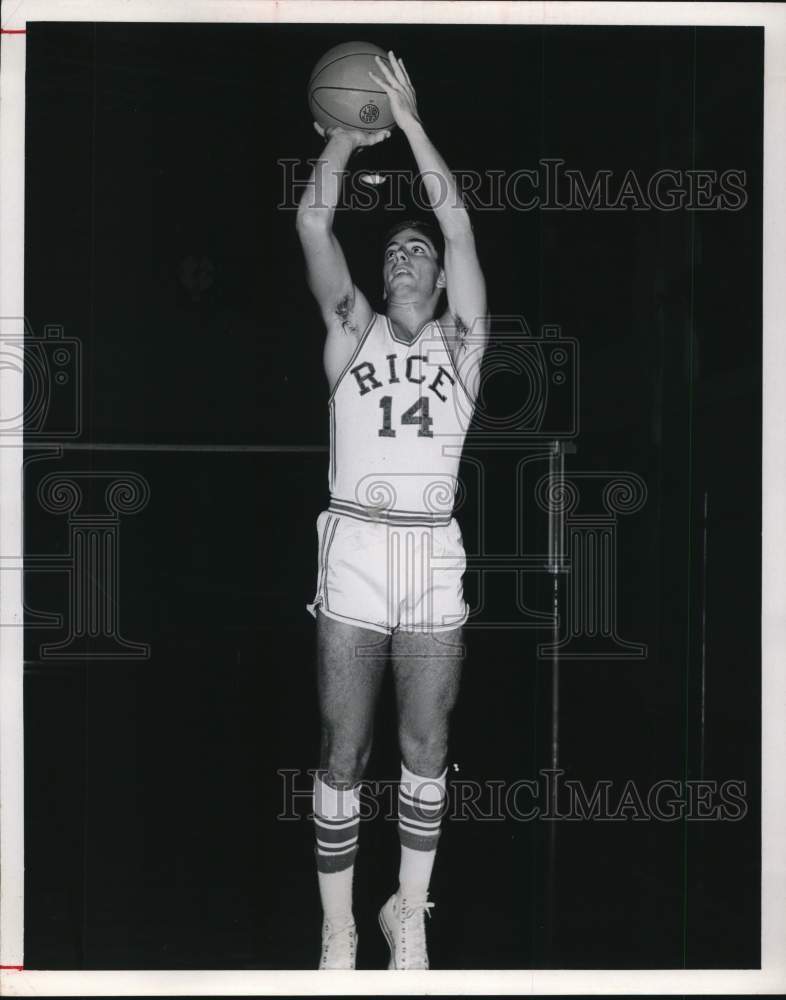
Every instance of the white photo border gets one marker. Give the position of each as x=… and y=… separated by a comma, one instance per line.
x=16, y=981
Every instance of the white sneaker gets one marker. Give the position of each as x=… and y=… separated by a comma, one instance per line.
x=402, y=923
x=339, y=946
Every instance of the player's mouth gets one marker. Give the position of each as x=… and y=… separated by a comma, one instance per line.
x=401, y=270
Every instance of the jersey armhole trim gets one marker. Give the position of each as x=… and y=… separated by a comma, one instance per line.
x=355, y=353
x=467, y=393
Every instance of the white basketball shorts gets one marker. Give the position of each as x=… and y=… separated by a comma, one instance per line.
x=389, y=577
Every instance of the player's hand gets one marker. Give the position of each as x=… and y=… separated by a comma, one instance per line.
x=397, y=85
x=357, y=137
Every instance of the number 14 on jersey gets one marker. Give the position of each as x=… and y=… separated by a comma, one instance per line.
x=417, y=414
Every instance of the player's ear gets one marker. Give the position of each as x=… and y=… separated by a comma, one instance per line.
x=441, y=279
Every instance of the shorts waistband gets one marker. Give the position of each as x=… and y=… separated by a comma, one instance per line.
x=383, y=515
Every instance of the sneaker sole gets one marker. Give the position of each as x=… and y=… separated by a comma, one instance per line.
x=388, y=938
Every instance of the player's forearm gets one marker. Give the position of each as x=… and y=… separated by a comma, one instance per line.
x=440, y=185
x=321, y=194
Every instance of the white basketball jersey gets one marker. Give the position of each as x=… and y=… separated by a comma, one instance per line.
x=399, y=414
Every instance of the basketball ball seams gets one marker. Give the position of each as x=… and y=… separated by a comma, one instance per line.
x=354, y=90
x=346, y=55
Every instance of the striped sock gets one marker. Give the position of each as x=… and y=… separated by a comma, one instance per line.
x=420, y=805
x=337, y=822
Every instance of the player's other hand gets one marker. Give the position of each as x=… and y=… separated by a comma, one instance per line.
x=397, y=85
x=357, y=137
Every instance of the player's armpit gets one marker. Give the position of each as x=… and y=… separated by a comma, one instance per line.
x=351, y=313
x=346, y=327
x=467, y=346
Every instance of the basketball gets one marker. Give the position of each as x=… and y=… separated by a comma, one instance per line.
x=341, y=93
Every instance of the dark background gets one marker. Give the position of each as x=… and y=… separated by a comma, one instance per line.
x=151, y=786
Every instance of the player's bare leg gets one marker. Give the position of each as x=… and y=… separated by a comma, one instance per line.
x=427, y=672
x=350, y=665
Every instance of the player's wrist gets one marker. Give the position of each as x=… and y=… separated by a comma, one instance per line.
x=343, y=140
x=412, y=128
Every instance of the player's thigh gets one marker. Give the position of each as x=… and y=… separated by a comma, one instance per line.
x=427, y=673
x=350, y=665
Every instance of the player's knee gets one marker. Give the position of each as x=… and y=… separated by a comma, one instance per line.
x=344, y=760
x=424, y=754
x=344, y=773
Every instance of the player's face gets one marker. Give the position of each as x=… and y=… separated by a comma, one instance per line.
x=410, y=264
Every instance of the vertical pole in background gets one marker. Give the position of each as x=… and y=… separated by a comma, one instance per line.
x=556, y=555
x=703, y=719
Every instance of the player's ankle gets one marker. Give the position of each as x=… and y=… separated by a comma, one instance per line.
x=338, y=918
x=412, y=892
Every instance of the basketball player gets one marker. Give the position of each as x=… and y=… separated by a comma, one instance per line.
x=391, y=558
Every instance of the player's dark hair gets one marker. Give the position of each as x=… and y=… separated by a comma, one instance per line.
x=432, y=233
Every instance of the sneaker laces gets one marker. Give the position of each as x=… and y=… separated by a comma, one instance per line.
x=331, y=934
x=415, y=948
x=409, y=909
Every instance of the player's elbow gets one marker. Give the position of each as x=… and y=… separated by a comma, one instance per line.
x=312, y=220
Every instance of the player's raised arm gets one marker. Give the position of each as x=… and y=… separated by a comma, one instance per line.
x=344, y=308
x=466, y=286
